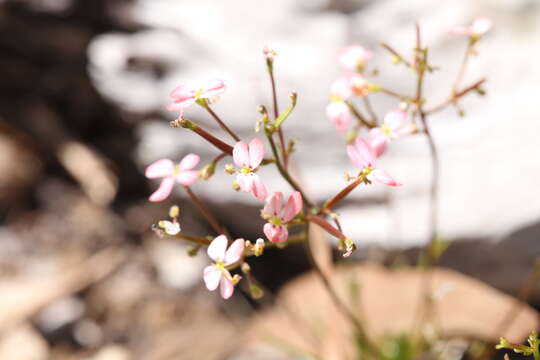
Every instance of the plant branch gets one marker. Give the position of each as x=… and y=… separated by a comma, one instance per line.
x=206, y=212
x=204, y=134
x=220, y=122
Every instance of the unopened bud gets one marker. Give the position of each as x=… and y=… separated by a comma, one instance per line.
x=293, y=97
x=396, y=59
x=192, y=251
x=236, y=279
x=174, y=211
x=269, y=52
x=169, y=227
x=480, y=91
x=229, y=169
x=374, y=87
x=351, y=136
x=235, y=186
x=258, y=249
x=207, y=171
x=255, y=291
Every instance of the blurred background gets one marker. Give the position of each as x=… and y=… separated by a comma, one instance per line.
x=82, y=94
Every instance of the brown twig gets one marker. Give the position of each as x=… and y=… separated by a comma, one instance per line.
x=396, y=54
x=340, y=195
x=204, y=134
x=220, y=122
x=455, y=96
x=205, y=211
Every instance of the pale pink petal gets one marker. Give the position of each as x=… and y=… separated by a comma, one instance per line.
x=352, y=55
x=245, y=181
x=170, y=228
x=160, y=168
x=241, y=154
x=293, y=206
x=216, y=249
x=259, y=190
x=226, y=288
x=382, y=177
x=361, y=154
x=273, y=205
x=163, y=191
x=176, y=107
x=338, y=112
x=213, y=88
x=234, y=253
x=189, y=162
x=275, y=233
x=341, y=87
x=407, y=129
x=355, y=157
x=481, y=25
x=182, y=93
x=378, y=141
x=211, y=276
x=256, y=152
x=460, y=30
x=187, y=178
x=395, y=119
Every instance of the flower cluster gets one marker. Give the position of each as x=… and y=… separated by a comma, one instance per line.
x=367, y=140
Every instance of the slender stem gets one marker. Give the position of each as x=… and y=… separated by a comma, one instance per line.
x=326, y=226
x=392, y=93
x=205, y=135
x=340, y=305
x=462, y=67
x=455, y=96
x=396, y=54
x=284, y=172
x=340, y=195
x=270, y=68
x=206, y=212
x=370, y=109
x=220, y=122
x=194, y=239
x=359, y=116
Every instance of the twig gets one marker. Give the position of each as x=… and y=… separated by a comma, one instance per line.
x=456, y=96
x=220, y=122
x=396, y=54
x=206, y=213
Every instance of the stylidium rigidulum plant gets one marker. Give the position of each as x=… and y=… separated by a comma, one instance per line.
x=369, y=132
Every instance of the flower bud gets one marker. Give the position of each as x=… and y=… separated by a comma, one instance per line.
x=207, y=171
x=235, y=186
x=396, y=59
x=259, y=247
x=255, y=291
x=229, y=169
x=192, y=251
x=174, y=211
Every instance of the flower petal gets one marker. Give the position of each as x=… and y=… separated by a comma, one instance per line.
x=211, y=276
x=275, y=233
x=341, y=87
x=365, y=151
x=258, y=189
x=395, y=119
x=481, y=25
x=213, y=88
x=189, y=162
x=338, y=112
x=177, y=107
x=226, y=288
x=241, y=154
x=163, y=191
x=273, y=204
x=234, y=252
x=182, y=93
x=245, y=181
x=187, y=178
x=256, y=152
x=170, y=228
x=160, y=168
x=378, y=141
x=216, y=249
x=383, y=177
x=351, y=56
x=293, y=206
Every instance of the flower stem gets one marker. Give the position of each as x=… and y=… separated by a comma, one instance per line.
x=270, y=68
x=220, y=122
x=455, y=96
x=206, y=213
x=329, y=204
x=205, y=135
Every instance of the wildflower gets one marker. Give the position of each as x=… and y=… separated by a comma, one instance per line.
x=217, y=274
x=337, y=110
x=184, y=96
x=181, y=173
x=394, y=125
x=248, y=160
x=479, y=27
x=354, y=58
x=279, y=215
x=363, y=156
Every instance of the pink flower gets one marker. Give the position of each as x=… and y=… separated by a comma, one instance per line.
x=363, y=156
x=183, y=96
x=354, y=58
x=171, y=173
x=248, y=160
x=394, y=125
x=339, y=113
x=479, y=27
x=278, y=215
x=217, y=274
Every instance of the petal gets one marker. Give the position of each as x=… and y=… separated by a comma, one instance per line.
x=258, y=189
x=170, y=228
x=407, y=129
x=481, y=25
x=341, y=87
x=382, y=177
x=245, y=181
x=226, y=288
x=365, y=151
x=338, y=112
x=187, y=178
x=293, y=207
x=275, y=233
x=160, y=168
x=163, y=191
x=182, y=93
x=176, y=107
x=189, y=162
x=273, y=204
x=216, y=249
x=256, y=152
x=460, y=30
x=234, y=253
x=378, y=141
x=211, y=277
x=395, y=119
x=213, y=88
x=241, y=154
x=352, y=55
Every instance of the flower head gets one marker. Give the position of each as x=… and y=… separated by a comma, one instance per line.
x=279, y=214
x=363, y=156
x=479, y=27
x=217, y=274
x=184, y=96
x=395, y=125
x=354, y=58
x=181, y=173
x=248, y=159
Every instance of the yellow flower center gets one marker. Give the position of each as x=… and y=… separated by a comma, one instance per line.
x=245, y=170
x=386, y=130
x=275, y=220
